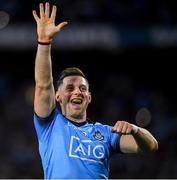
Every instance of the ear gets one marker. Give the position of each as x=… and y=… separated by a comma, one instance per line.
x=58, y=97
x=90, y=97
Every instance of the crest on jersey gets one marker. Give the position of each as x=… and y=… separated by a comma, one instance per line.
x=98, y=136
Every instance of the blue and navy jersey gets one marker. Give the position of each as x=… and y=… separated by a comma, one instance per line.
x=75, y=151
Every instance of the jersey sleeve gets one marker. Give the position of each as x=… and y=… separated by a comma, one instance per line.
x=114, y=140
x=44, y=125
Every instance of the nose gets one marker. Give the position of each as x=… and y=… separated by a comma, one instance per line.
x=77, y=91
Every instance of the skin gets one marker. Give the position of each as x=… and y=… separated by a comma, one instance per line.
x=74, y=88
x=133, y=140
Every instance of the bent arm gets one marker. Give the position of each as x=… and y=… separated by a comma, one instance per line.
x=142, y=141
x=135, y=139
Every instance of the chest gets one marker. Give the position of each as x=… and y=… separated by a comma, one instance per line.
x=87, y=143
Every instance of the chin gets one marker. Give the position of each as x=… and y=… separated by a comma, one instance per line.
x=78, y=115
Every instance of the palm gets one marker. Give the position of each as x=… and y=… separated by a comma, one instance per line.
x=46, y=27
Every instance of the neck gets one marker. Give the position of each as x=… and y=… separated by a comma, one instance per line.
x=76, y=119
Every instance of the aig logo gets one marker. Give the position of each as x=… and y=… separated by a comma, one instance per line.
x=86, y=150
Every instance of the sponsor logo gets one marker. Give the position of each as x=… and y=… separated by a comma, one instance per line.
x=86, y=150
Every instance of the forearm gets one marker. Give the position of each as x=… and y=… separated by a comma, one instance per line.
x=43, y=66
x=44, y=101
x=145, y=141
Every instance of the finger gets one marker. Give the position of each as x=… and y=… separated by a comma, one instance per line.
x=61, y=25
x=117, y=127
x=129, y=129
x=41, y=7
x=120, y=126
x=47, y=9
x=124, y=128
x=35, y=15
x=114, y=128
x=53, y=14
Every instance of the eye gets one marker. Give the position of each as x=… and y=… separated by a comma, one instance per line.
x=83, y=88
x=69, y=88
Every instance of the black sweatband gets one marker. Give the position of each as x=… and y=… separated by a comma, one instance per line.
x=44, y=43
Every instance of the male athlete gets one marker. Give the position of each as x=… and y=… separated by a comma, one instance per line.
x=71, y=146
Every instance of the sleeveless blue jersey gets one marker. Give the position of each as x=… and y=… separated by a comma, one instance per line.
x=74, y=152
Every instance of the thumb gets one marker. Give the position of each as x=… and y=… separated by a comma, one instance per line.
x=61, y=25
x=113, y=129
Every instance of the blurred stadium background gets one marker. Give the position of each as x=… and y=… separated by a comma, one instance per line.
x=128, y=51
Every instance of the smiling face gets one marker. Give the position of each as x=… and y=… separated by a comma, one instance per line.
x=74, y=96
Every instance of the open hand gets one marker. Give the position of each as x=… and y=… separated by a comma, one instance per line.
x=46, y=27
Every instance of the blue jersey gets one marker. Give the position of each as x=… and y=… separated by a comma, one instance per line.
x=70, y=150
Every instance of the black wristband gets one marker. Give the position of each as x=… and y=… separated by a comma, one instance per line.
x=44, y=43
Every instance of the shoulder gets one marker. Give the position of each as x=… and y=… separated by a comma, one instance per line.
x=102, y=126
x=103, y=129
x=55, y=113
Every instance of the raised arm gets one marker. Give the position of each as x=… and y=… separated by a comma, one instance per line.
x=134, y=139
x=44, y=100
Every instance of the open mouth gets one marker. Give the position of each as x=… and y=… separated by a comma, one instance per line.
x=76, y=101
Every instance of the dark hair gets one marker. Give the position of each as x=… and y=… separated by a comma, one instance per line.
x=70, y=71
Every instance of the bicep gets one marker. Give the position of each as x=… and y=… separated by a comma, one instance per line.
x=128, y=144
x=44, y=101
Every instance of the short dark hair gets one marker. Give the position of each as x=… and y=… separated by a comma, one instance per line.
x=70, y=71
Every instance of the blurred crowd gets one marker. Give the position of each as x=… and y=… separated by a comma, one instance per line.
x=130, y=12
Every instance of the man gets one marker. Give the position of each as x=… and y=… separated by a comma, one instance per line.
x=71, y=146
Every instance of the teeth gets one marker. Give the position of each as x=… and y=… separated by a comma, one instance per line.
x=78, y=101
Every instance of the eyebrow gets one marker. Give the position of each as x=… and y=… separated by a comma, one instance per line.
x=79, y=85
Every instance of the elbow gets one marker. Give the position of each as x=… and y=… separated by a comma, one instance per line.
x=151, y=148
x=155, y=146
x=44, y=85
